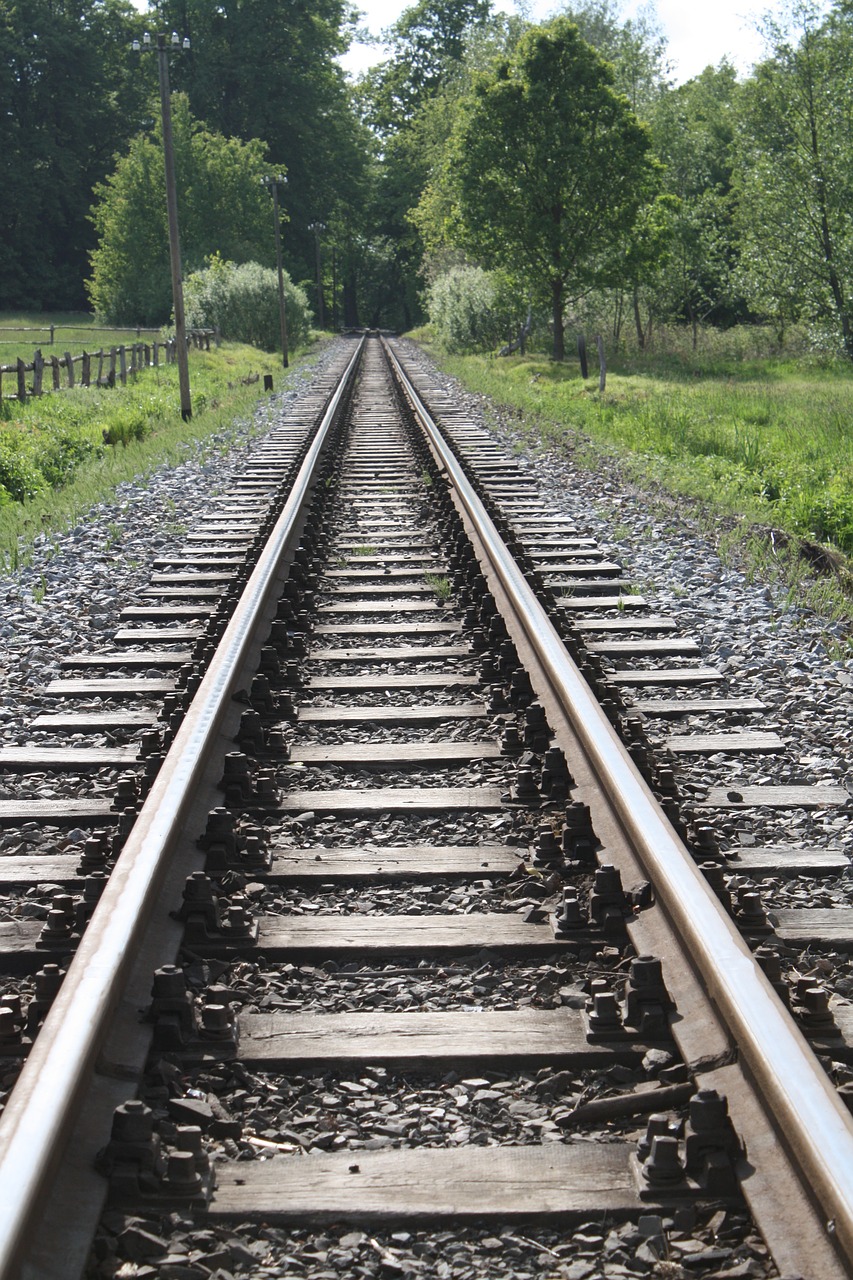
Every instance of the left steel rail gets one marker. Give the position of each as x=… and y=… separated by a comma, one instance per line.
x=43, y=1107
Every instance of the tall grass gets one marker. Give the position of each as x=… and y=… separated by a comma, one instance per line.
x=770, y=439
x=62, y=453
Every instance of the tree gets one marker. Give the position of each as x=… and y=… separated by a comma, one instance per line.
x=547, y=168
x=426, y=41
x=69, y=99
x=693, y=127
x=635, y=48
x=222, y=209
x=265, y=69
x=402, y=101
x=795, y=171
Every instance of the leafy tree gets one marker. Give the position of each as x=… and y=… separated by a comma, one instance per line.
x=268, y=70
x=547, y=168
x=241, y=300
x=693, y=127
x=795, y=171
x=426, y=41
x=635, y=48
x=69, y=99
x=222, y=208
x=407, y=101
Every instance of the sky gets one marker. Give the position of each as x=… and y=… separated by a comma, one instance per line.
x=697, y=32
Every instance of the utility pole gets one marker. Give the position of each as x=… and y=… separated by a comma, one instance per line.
x=318, y=228
x=172, y=209
x=272, y=184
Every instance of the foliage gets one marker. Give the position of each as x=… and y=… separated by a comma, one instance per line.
x=767, y=438
x=546, y=170
x=242, y=301
x=795, y=172
x=69, y=99
x=426, y=42
x=408, y=101
x=471, y=309
x=693, y=128
x=222, y=208
x=59, y=453
x=635, y=48
x=268, y=70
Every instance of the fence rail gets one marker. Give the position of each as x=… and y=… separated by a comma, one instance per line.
x=50, y=330
x=102, y=368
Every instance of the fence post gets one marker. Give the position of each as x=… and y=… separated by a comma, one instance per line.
x=54, y=368
x=146, y=354
x=111, y=376
x=52, y=332
x=22, y=380
x=86, y=371
x=38, y=372
x=100, y=366
x=156, y=354
x=69, y=364
x=122, y=364
x=582, y=356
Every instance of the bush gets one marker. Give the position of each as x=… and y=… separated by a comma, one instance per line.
x=242, y=301
x=471, y=309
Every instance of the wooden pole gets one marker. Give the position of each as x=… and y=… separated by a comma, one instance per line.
x=174, y=237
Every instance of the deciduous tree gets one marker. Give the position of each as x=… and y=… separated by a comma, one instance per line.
x=795, y=171
x=69, y=99
x=222, y=209
x=547, y=168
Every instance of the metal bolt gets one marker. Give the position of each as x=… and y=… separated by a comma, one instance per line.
x=9, y=1029
x=568, y=915
x=709, y=1111
x=604, y=1015
x=658, y=1125
x=181, y=1173
x=132, y=1122
x=216, y=1020
x=169, y=983
x=663, y=1167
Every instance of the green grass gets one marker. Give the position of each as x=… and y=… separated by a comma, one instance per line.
x=64, y=452
x=763, y=441
x=73, y=331
x=440, y=584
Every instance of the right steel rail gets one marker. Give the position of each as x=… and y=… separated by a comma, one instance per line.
x=799, y=1099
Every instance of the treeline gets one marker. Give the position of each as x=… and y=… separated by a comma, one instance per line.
x=486, y=172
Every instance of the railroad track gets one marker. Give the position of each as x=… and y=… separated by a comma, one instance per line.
x=383, y=902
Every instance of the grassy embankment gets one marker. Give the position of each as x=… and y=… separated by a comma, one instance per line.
x=754, y=444
x=64, y=452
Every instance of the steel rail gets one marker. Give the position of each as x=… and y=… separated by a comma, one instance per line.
x=814, y=1124
x=42, y=1108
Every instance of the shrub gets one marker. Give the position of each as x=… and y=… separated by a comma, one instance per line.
x=242, y=301
x=20, y=475
x=471, y=309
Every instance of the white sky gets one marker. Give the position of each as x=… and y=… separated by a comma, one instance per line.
x=697, y=32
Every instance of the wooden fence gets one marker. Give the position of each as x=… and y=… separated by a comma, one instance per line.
x=50, y=330
x=103, y=368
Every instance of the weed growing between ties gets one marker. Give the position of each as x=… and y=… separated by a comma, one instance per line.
x=440, y=584
x=64, y=452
